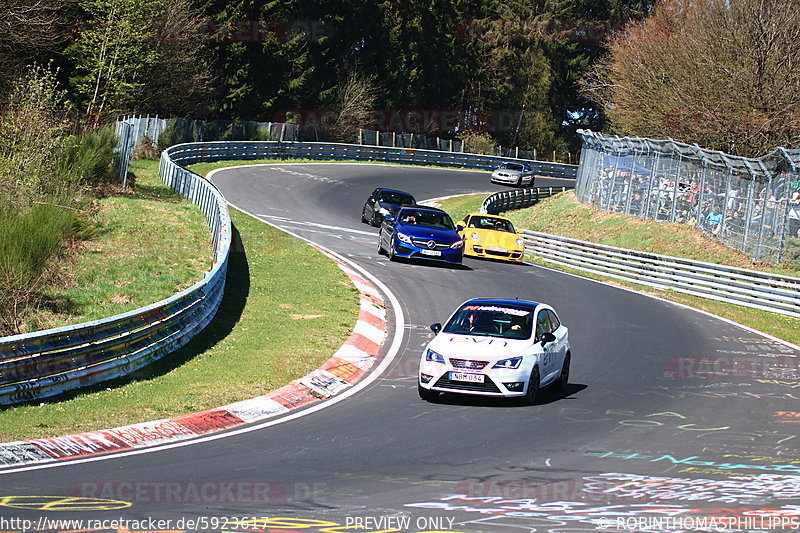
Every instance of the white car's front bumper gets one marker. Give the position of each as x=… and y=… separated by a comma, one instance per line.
x=487, y=381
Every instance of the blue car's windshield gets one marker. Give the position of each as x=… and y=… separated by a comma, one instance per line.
x=493, y=321
x=421, y=217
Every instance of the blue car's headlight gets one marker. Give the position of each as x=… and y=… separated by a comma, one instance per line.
x=456, y=245
x=402, y=237
x=514, y=362
x=430, y=355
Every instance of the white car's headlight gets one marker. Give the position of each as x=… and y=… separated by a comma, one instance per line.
x=475, y=237
x=519, y=242
x=404, y=238
x=514, y=362
x=456, y=245
x=383, y=211
x=430, y=355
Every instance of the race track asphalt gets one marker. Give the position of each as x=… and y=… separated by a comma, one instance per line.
x=671, y=414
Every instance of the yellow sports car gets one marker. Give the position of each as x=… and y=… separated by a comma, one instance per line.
x=491, y=236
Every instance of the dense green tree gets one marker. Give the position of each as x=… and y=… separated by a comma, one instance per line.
x=127, y=57
x=516, y=61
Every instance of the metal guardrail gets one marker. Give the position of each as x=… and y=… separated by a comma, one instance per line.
x=748, y=288
x=46, y=363
x=211, y=151
x=517, y=199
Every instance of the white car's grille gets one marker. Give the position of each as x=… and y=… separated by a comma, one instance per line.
x=465, y=363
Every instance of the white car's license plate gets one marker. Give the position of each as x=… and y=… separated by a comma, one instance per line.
x=436, y=253
x=471, y=378
x=496, y=249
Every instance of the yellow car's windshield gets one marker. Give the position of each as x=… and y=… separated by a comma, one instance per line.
x=491, y=223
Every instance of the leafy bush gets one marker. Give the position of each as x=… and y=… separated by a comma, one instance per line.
x=479, y=143
x=146, y=149
x=29, y=241
x=33, y=123
x=89, y=158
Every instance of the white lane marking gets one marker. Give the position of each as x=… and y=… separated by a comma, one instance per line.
x=313, y=224
x=394, y=349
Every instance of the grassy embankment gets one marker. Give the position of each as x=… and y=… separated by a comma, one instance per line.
x=277, y=287
x=564, y=215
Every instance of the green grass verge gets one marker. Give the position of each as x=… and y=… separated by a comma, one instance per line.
x=287, y=309
x=136, y=256
x=564, y=215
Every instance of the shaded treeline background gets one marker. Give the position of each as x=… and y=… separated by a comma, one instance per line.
x=257, y=60
x=720, y=73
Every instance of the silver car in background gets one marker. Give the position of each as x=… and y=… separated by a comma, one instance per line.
x=519, y=174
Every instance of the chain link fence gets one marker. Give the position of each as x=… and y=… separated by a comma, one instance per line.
x=163, y=133
x=751, y=205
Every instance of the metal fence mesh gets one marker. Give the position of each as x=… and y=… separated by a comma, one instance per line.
x=751, y=205
x=167, y=132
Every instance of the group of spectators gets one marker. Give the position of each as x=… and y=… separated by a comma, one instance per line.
x=723, y=212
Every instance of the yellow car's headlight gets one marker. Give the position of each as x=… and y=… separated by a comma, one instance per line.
x=475, y=237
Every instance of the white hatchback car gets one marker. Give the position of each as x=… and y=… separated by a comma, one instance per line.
x=496, y=347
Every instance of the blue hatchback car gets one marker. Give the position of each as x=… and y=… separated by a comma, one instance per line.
x=421, y=233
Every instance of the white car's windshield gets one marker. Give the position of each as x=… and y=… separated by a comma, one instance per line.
x=512, y=166
x=492, y=320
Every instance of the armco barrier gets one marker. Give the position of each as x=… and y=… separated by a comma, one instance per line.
x=749, y=288
x=517, y=199
x=46, y=363
x=188, y=153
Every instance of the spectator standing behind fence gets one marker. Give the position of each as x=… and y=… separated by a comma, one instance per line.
x=713, y=221
x=794, y=214
x=734, y=224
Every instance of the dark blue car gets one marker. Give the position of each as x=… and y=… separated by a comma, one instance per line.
x=421, y=233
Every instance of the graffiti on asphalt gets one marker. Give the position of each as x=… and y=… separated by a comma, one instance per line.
x=632, y=419
x=734, y=489
x=498, y=513
x=693, y=461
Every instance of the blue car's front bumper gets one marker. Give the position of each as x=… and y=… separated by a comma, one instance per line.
x=412, y=251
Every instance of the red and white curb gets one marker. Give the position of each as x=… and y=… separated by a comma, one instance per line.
x=346, y=367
